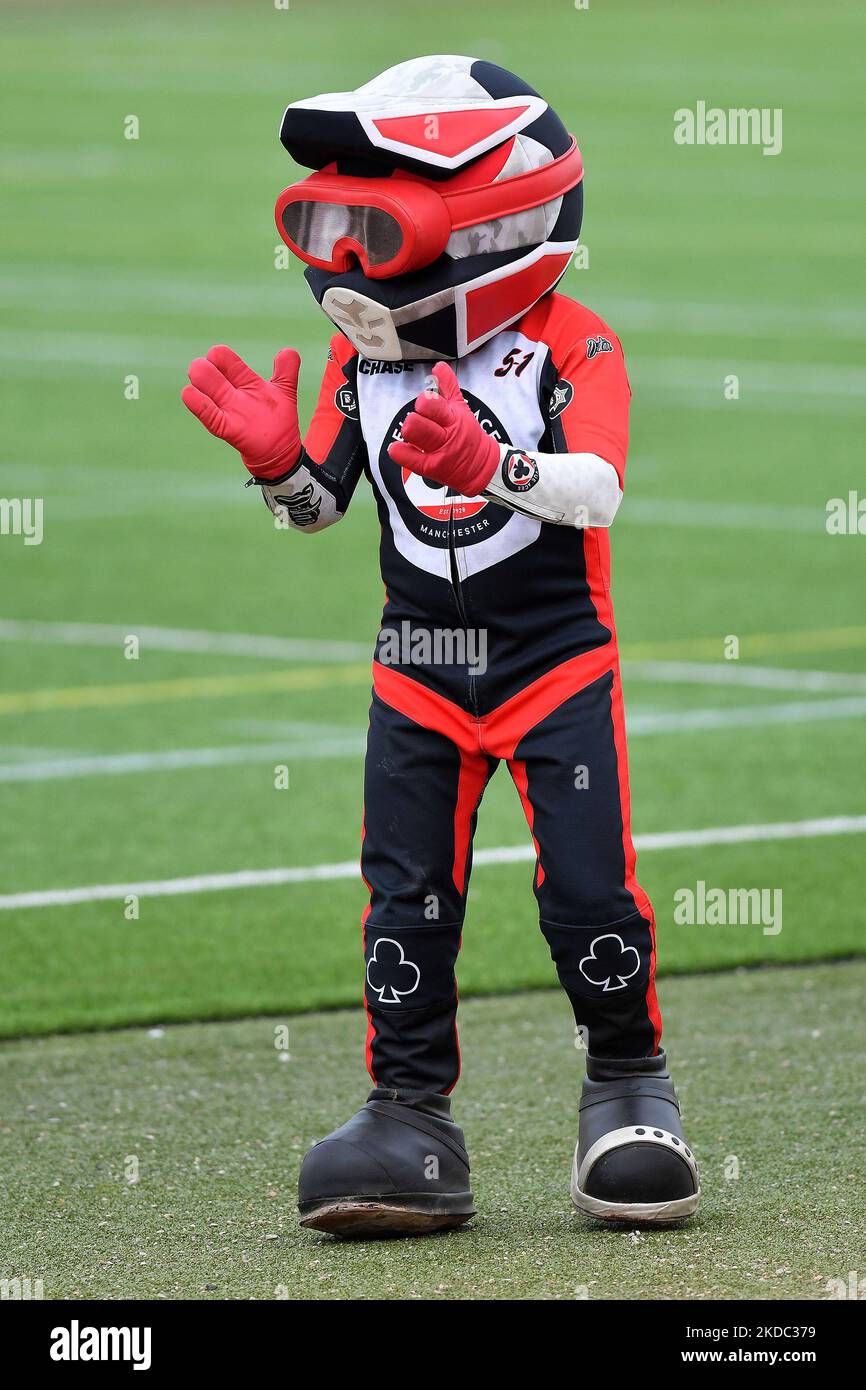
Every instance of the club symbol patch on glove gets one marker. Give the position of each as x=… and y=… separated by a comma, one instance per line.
x=519, y=471
x=610, y=963
x=390, y=975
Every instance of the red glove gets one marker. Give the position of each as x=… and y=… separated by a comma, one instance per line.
x=260, y=418
x=441, y=439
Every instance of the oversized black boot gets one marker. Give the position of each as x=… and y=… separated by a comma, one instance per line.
x=632, y=1162
x=399, y=1167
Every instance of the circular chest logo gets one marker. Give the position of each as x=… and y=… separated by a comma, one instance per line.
x=438, y=502
x=428, y=509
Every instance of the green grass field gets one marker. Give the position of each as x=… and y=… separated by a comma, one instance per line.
x=152, y=776
x=165, y=1167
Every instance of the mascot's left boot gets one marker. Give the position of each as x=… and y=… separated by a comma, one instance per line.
x=632, y=1162
x=399, y=1167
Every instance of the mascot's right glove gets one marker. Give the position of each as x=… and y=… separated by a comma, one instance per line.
x=258, y=417
x=441, y=439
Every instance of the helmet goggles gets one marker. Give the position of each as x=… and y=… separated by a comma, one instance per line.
x=395, y=225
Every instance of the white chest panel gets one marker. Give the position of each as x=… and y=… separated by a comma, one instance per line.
x=507, y=407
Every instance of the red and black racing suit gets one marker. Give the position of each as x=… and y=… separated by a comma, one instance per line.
x=547, y=700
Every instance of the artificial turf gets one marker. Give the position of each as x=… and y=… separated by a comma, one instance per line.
x=127, y=258
x=213, y=1119
x=706, y=260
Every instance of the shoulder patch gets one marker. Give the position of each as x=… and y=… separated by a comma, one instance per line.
x=560, y=397
x=596, y=345
x=346, y=402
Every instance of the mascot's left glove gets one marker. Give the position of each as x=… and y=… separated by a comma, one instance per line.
x=441, y=439
x=260, y=418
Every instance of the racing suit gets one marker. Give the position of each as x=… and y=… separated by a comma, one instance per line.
x=497, y=643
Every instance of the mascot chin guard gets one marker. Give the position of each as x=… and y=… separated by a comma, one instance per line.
x=489, y=414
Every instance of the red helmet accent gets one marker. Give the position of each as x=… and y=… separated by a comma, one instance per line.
x=448, y=133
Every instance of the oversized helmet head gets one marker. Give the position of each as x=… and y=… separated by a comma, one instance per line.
x=447, y=199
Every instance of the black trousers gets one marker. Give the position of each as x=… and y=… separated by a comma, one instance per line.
x=428, y=763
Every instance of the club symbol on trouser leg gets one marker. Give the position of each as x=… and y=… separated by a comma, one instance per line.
x=390, y=975
x=399, y=1166
x=632, y=1162
x=610, y=963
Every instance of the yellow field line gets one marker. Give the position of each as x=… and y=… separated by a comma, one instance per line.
x=358, y=673
x=184, y=688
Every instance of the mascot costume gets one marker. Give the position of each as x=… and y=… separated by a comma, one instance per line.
x=489, y=415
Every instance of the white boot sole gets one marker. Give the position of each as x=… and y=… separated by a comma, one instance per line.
x=680, y=1209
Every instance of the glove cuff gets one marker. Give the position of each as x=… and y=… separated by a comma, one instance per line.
x=272, y=469
x=486, y=467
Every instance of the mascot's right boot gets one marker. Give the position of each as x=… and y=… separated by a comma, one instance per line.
x=632, y=1162
x=399, y=1167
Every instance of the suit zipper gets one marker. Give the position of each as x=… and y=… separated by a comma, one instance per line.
x=458, y=599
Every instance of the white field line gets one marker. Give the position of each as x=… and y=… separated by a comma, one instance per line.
x=178, y=639
x=85, y=492
x=33, y=166
x=773, y=378
x=791, y=712
x=703, y=320
x=76, y=351
x=348, y=869
x=734, y=673
x=696, y=381
x=65, y=287
x=30, y=753
x=712, y=516
x=345, y=742
x=129, y=502
x=729, y=516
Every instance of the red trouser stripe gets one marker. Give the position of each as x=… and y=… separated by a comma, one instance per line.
x=425, y=707
x=643, y=903
x=521, y=782
x=368, y=1044
x=470, y=785
x=507, y=725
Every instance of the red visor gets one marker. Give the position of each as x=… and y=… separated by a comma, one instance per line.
x=399, y=224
